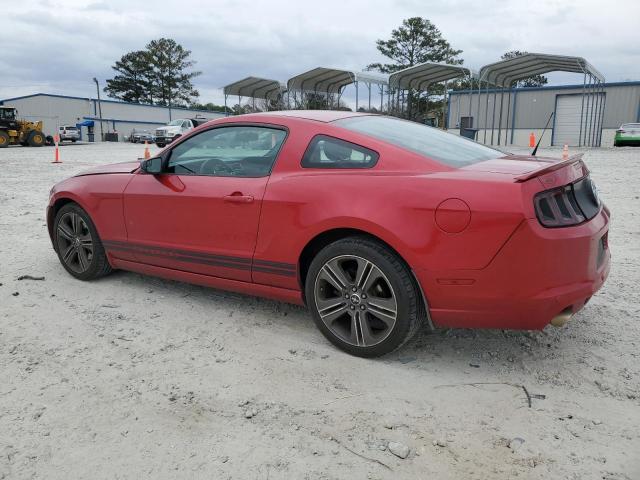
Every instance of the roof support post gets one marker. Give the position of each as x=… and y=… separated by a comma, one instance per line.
x=604, y=104
x=594, y=98
x=596, y=134
x=470, y=98
x=369, y=88
x=506, y=129
x=493, y=116
x=500, y=115
x=513, y=114
x=356, y=82
x=590, y=100
x=445, y=120
x=584, y=84
x=478, y=118
x=486, y=111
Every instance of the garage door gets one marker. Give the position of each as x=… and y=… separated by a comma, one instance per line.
x=567, y=122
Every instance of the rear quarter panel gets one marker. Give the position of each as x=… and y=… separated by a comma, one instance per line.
x=394, y=201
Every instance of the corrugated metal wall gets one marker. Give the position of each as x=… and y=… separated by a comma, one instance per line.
x=533, y=107
x=122, y=117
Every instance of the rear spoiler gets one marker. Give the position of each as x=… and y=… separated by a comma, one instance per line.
x=553, y=167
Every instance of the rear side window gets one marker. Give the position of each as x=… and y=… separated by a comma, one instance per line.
x=430, y=142
x=330, y=152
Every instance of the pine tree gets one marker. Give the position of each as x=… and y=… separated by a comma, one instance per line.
x=158, y=75
x=133, y=80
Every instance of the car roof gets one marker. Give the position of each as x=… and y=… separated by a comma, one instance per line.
x=317, y=115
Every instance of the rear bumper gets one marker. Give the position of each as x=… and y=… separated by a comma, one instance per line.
x=539, y=273
x=630, y=139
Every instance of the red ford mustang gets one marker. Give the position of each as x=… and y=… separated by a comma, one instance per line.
x=376, y=224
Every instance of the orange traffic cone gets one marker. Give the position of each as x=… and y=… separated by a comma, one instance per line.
x=565, y=152
x=147, y=154
x=532, y=140
x=56, y=140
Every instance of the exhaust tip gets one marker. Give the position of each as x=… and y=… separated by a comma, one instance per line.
x=562, y=318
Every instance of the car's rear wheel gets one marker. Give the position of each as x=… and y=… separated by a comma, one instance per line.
x=362, y=297
x=78, y=244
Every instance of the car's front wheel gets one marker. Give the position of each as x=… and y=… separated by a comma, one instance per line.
x=78, y=245
x=363, y=297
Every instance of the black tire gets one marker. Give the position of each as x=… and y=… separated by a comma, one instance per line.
x=36, y=139
x=66, y=237
x=161, y=145
x=395, y=274
x=73, y=140
x=4, y=139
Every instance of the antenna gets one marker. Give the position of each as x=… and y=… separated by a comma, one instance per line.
x=533, y=154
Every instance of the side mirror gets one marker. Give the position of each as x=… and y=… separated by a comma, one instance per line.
x=152, y=166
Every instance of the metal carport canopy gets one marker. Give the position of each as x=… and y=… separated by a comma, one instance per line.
x=255, y=87
x=504, y=72
x=423, y=75
x=331, y=80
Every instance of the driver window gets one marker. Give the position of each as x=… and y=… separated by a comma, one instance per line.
x=240, y=151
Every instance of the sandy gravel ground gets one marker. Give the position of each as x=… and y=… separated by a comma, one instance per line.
x=137, y=377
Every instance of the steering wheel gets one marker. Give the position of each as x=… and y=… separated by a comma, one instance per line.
x=213, y=166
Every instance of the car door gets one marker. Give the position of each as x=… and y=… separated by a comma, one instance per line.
x=201, y=214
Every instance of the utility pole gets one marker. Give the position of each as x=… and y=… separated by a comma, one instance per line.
x=99, y=109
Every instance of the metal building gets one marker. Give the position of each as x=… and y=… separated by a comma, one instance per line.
x=120, y=117
x=531, y=107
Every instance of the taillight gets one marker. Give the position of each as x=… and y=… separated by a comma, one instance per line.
x=558, y=207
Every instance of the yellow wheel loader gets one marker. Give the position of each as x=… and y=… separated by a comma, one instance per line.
x=19, y=132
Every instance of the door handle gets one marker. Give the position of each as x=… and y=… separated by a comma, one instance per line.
x=237, y=197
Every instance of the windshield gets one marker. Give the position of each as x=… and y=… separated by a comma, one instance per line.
x=430, y=142
x=175, y=123
x=7, y=113
x=631, y=126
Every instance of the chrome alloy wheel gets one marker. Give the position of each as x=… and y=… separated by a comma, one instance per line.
x=74, y=242
x=355, y=300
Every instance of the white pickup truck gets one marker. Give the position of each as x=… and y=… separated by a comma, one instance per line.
x=175, y=129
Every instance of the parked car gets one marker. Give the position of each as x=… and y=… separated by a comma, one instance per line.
x=141, y=136
x=627, y=134
x=377, y=224
x=175, y=129
x=68, y=132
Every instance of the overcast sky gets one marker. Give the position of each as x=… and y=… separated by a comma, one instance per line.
x=59, y=46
